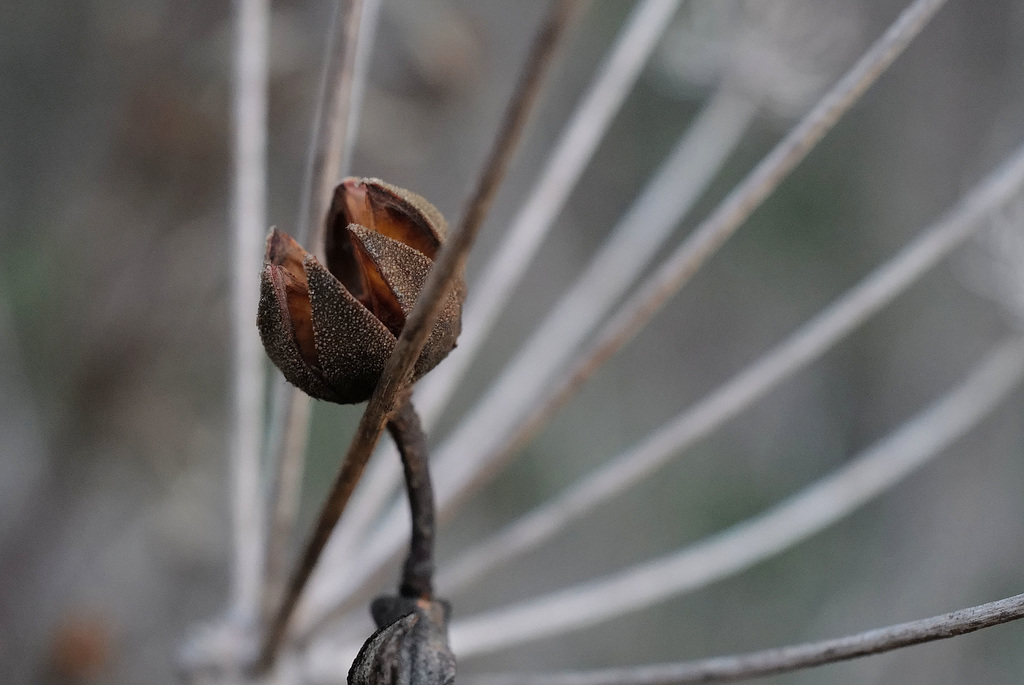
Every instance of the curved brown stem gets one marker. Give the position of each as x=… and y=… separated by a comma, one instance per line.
x=418, y=572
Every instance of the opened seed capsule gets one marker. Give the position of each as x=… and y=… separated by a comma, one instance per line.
x=330, y=330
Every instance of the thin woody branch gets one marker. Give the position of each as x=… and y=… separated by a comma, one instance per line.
x=784, y=659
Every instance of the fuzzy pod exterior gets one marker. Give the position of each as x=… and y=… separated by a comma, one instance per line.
x=331, y=329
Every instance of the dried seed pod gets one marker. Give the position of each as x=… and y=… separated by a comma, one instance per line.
x=331, y=330
x=410, y=646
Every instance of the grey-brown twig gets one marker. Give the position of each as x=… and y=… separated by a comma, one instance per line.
x=784, y=659
x=330, y=127
x=449, y=263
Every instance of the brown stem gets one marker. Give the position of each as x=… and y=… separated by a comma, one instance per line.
x=418, y=573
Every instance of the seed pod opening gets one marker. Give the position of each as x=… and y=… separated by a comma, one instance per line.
x=331, y=330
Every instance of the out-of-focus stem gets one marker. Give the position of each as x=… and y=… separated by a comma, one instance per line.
x=250, y=110
x=806, y=344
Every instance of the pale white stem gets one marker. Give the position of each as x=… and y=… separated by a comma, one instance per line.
x=729, y=399
x=631, y=316
x=341, y=554
x=288, y=468
x=735, y=549
x=302, y=231
x=493, y=440
x=579, y=140
x=783, y=659
x=250, y=112
x=328, y=135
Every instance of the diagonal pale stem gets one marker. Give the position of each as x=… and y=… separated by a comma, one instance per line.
x=505, y=269
x=862, y=479
x=625, y=254
x=733, y=550
x=730, y=398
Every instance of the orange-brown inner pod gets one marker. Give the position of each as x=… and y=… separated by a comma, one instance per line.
x=383, y=212
x=355, y=268
x=380, y=210
x=289, y=278
x=379, y=298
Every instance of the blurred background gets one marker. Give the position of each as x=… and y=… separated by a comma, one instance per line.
x=114, y=353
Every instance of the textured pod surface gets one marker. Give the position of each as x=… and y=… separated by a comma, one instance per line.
x=352, y=345
x=279, y=340
x=406, y=270
x=330, y=330
x=410, y=646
